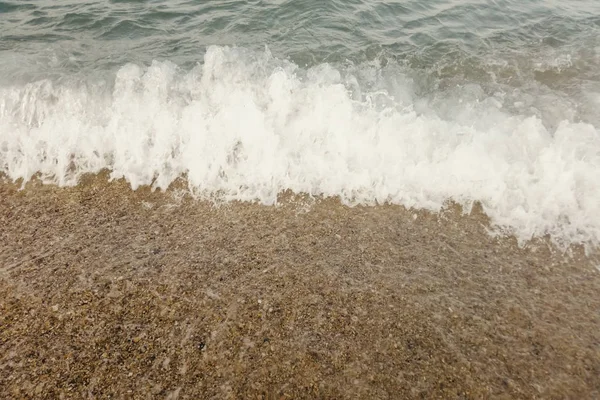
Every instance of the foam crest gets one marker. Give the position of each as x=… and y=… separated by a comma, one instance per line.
x=247, y=126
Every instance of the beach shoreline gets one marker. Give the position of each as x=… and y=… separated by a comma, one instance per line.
x=106, y=291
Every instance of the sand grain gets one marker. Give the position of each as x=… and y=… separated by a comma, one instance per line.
x=106, y=292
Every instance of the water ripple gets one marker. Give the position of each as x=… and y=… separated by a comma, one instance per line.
x=443, y=37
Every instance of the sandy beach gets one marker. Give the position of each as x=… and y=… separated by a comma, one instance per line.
x=107, y=292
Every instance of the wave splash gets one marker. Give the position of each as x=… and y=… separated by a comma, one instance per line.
x=247, y=126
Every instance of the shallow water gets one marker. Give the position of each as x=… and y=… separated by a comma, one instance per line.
x=405, y=102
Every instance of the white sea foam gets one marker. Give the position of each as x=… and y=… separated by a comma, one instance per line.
x=246, y=126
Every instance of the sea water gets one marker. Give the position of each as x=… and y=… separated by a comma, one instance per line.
x=416, y=103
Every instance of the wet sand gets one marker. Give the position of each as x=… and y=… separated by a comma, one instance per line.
x=110, y=293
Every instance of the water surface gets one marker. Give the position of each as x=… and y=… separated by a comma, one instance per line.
x=408, y=102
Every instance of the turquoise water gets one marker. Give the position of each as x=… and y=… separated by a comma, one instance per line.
x=440, y=34
x=408, y=102
x=442, y=43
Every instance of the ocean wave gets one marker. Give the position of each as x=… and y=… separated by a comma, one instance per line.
x=246, y=126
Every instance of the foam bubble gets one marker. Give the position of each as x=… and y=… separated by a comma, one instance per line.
x=247, y=126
